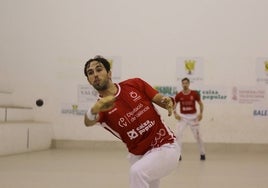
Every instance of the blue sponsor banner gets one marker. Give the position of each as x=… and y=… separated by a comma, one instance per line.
x=167, y=90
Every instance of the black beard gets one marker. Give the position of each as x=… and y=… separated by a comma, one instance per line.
x=100, y=88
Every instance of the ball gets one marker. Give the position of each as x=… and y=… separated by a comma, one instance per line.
x=39, y=102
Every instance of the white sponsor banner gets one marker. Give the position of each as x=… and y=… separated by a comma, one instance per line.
x=260, y=111
x=262, y=70
x=74, y=109
x=248, y=95
x=116, y=66
x=87, y=94
x=213, y=94
x=190, y=67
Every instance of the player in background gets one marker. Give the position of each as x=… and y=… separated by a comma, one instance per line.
x=126, y=110
x=186, y=113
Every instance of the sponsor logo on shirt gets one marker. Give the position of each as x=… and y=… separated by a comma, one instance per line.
x=131, y=116
x=134, y=96
x=141, y=129
x=159, y=137
x=187, y=108
x=132, y=134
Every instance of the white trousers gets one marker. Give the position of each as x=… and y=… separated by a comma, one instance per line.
x=191, y=121
x=147, y=170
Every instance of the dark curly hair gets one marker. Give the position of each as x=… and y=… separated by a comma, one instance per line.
x=101, y=60
x=185, y=79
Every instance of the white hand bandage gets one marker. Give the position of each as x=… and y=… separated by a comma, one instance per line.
x=91, y=116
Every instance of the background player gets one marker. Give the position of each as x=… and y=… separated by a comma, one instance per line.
x=186, y=114
x=126, y=110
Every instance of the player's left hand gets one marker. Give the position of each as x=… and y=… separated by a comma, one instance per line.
x=168, y=104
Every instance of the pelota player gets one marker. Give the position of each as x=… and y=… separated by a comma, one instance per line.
x=186, y=114
x=126, y=110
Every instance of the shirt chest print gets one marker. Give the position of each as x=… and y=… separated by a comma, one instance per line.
x=132, y=111
x=129, y=117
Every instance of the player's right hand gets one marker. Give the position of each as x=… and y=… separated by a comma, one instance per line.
x=103, y=104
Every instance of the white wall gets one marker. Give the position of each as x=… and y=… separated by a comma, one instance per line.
x=44, y=45
x=19, y=137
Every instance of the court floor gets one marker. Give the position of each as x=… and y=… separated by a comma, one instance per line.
x=87, y=168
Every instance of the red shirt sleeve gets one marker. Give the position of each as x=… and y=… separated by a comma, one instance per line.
x=144, y=86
